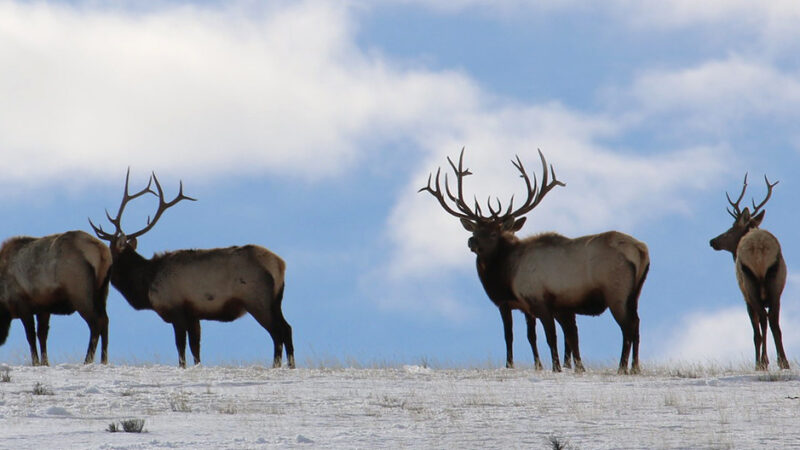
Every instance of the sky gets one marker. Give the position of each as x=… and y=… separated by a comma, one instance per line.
x=308, y=127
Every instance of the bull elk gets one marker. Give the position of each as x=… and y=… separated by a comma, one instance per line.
x=550, y=276
x=186, y=286
x=760, y=271
x=56, y=274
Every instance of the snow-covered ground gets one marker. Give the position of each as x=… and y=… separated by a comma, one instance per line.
x=410, y=406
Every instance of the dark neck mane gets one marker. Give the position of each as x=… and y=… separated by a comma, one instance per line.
x=132, y=275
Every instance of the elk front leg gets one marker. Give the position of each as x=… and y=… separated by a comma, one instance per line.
x=508, y=333
x=42, y=328
x=530, y=321
x=180, y=342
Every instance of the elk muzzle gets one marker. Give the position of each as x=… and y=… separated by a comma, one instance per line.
x=472, y=243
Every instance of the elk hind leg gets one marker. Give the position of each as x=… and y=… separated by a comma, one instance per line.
x=774, y=324
x=42, y=328
x=756, y=335
x=571, y=345
x=552, y=340
x=193, y=329
x=530, y=321
x=30, y=334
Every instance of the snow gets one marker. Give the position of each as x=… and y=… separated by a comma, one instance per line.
x=408, y=407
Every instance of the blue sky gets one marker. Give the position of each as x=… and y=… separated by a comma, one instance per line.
x=307, y=127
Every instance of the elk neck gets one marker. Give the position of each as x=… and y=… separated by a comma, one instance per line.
x=132, y=275
x=493, y=270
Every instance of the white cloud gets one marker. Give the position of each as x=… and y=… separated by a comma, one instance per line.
x=178, y=89
x=716, y=94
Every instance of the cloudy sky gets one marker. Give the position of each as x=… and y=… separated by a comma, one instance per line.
x=307, y=128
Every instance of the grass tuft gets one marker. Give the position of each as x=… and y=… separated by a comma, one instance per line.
x=40, y=389
x=128, y=426
x=5, y=375
x=558, y=443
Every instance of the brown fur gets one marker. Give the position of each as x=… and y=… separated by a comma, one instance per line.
x=56, y=274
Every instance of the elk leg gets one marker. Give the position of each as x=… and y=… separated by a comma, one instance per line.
x=530, y=321
x=42, y=328
x=180, y=341
x=762, y=318
x=774, y=324
x=287, y=340
x=552, y=340
x=756, y=335
x=104, y=337
x=194, y=338
x=30, y=334
x=508, y=333
x=570, y=329
x=95, y=328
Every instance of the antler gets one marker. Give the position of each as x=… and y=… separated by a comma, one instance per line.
x=436, y=190
x=127, y=197
x=736, y=211
x=535, y=192
x=756, y=208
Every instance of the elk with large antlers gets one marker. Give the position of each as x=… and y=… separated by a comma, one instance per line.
x=550, y=276
x=760, y=271
x=185, y=286
x=56, y=274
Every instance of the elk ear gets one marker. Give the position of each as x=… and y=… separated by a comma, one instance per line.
x=468, y=225
x=132, y=243
x=513, y=225
x=756, y=221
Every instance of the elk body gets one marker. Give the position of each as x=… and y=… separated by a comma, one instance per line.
x=186, y=286
x=760, y=272
x=56, y=274
x=549, y=276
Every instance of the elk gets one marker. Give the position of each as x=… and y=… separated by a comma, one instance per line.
x=760, y=272
x=56, y=274
x=186, y=286
x=548, y=275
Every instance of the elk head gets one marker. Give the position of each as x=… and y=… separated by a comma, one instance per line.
x=120, y=241
x=743, y=220
x=488, y=231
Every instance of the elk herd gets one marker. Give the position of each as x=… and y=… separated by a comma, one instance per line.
x=546, y=276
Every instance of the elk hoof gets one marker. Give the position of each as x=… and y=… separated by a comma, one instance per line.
x=509, y=364
x=579, y=367
x=291, y=362
x=622, y=370
x=556, y=367
x=538, y=365
x=783, y=364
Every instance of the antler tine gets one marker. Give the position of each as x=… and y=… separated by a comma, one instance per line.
x=162, y=205
x=100, y=232
x=736, y=211
x=436, y=191
x=536, y=192
x=491, y=210
x=464, y=211
x=769, y=194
